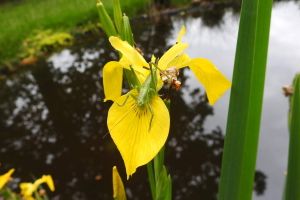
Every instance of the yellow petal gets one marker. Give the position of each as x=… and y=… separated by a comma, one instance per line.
x=142, y=76
x=160, y=84
x=141, y=72
x=27, y=189
x=180, y=61
x=28, y=198
x=172, y=53
x=129, y=125
x=118, y=187
x=181, y=34
x=124, y=62
x=112, y=80
x=49, y=181
x=5, y=178
x=214, y=82
x=153, y=58
x=113, y=77
x=132, y=55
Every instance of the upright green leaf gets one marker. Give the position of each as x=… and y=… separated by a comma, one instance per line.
x=128, y=36
x=159, y=179
x=292, y=188
x=118, y=15
x=163, y=185
x=151, y=179
x=105, y=20
x=241, y=140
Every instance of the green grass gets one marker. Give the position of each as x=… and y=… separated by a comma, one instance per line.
x=19, y=20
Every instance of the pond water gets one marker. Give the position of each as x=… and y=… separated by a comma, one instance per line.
x=52, y=119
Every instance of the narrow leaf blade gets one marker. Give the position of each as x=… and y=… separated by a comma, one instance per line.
x=292, y=190
x=239, y=158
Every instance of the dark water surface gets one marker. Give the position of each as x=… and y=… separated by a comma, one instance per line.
x=51, y=119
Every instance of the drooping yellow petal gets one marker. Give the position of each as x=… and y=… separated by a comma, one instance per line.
x=5, y=178
x=180, y=61
x=137, y=137
x=112, y=80
x=131, y=54
x=181, y=34
x=118, y=187
x=49, y=181
x=214, y=82
x=172, y=53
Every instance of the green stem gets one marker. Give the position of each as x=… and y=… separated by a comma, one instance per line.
x=154, y=169
x=159, y=163
x=159, y=179
x=151, y=178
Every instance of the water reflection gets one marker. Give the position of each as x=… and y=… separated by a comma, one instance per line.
x=53, y=122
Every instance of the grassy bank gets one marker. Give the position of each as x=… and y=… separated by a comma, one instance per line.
x=19, y=20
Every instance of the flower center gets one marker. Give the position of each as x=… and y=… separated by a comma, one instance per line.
x=169, y=77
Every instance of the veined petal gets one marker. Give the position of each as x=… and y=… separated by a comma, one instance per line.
x=172, y=53
x=180, y=61
x=5, y=178
x=181, y=34
x=137, y=137
x=118, y=187
x=214, y=82
x=112, y=80
x=131, y=54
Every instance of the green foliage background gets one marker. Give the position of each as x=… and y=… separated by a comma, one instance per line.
x=19, y=19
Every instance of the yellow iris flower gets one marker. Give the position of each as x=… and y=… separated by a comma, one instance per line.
x=5, y=178
x=214, y=82
x=27, y=189
x=129, y=124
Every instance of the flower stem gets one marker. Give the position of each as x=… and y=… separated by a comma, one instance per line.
x=159, y=179
x=151, y=179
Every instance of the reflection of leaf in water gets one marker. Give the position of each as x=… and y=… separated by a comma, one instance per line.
x=260, y=182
